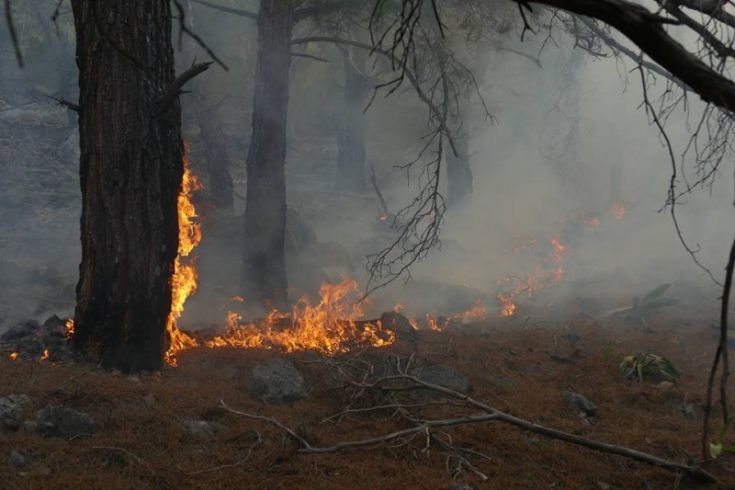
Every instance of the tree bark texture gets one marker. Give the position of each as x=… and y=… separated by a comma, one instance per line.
x=263, y=274
x=130, y=170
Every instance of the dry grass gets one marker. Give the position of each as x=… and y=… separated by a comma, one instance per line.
x=141, y=416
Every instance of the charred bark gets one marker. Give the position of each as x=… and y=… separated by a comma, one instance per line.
x=263, y=273
x=130, y=170
x=351, y=139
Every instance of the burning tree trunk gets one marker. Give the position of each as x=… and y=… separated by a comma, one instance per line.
x=131, y=170
x=263, y=274
x=351, y=139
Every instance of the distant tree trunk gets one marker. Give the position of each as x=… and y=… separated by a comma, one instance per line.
x=215, y=148
x=131, y=170
x=459, y=173
x=351, y=139
x=263, y=275
x=220, y=185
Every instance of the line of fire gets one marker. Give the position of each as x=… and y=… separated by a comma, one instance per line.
x=453, y=244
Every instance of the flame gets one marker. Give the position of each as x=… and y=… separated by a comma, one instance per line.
x=618, y=210
x=13, y=356
x=69, y=328
x=591, y=222
x=560, y=251
x=507, y=305
x=329, y=327
x=184, y=278
x=45, y=355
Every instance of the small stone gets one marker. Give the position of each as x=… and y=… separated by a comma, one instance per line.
x=665, y=386
x=581, y=404
x=150, y=400
x=461, y=486
x=603, y=486
x=200, y=428
x=18, y=460
x=444, y=376
x=134, y=379
x=277, y=381
x=62, y=421
x=12, y=408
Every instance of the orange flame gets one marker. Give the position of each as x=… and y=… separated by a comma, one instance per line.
x=45, y=355
x=184, y=278
x=330, y=327
x=69, y=328
x=560, y=251
x=13, y=356
x=618, y=210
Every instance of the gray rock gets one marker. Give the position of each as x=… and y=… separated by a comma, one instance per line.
x=18, y=460
x=580, y=404
x=12, y=408
x=461, y=486
x=444, y=376
x=277, y=381
x=400, y=325
x=200, y=428
x=62, y=421
x=28, y=327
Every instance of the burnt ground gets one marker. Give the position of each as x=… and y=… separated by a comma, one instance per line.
x=142, y=439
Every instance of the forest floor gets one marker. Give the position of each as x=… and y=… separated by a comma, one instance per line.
x=143, y=438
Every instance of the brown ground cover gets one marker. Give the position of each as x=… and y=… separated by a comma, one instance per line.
x=522, y=369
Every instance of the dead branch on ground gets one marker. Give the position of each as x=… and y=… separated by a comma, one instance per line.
x=406, y=396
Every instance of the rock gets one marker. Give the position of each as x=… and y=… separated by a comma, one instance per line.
x=690, y=410
x=400, y=325
x=200, y=428
x=12, y=408
x=55, y=327
x=277, y=381
x=18, y=460
x=580, y=404
x=461, y=486
x=62, y=421
x=28, y=327
x=444, y=376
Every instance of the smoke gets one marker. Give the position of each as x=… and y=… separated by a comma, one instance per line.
x=571, y=140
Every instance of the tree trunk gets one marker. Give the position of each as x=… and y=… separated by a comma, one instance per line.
x=351, y=140
x=215, y=148
x=263, y=274
x=219, y=185
x=459, y=173
x=131, y=170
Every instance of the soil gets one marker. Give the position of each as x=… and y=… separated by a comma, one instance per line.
x=518, y=367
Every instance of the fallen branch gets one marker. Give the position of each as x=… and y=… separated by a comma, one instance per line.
x=65, y=103
x=486, y=414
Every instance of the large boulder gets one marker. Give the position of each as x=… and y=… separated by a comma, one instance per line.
x=278, y=381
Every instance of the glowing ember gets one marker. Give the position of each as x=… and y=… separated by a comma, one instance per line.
x=14, y=356
x=560, y=251
x=507, y=306
x=591, y=222
x=330, y=327
x=618, y=210
x=184, y=278
x=69, y=328
x=44, y=356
